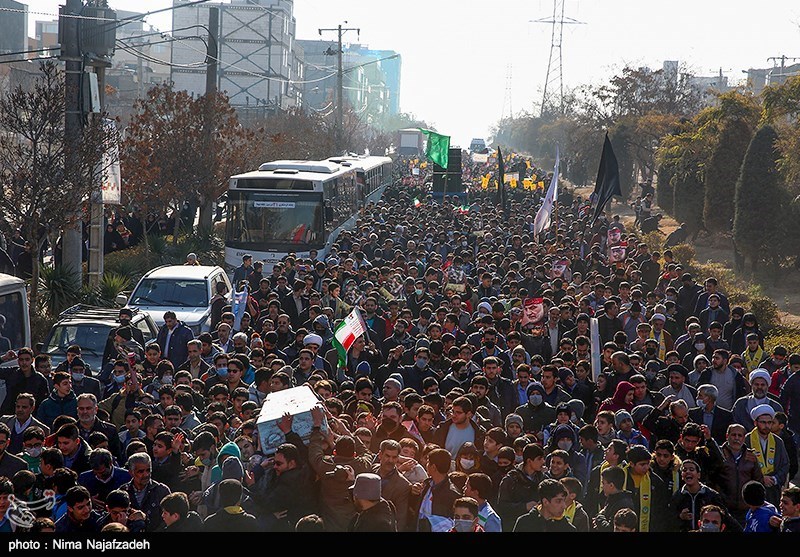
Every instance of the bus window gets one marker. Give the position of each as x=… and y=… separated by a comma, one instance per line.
x=12, y=322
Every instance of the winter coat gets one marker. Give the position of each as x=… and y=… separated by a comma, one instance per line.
x=378, y=518
x=54, y=406
x=515, y=492
x=532, y=521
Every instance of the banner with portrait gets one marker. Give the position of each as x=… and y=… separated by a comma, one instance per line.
x=533, y=313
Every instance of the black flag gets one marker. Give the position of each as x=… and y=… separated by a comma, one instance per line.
x=607, y=184
x=501, y=171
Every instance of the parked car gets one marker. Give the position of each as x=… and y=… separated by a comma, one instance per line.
x=185, y=289
x=88, y=327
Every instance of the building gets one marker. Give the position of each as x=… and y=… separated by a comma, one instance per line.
x=758, y=79
x=371, y=79
x=257, y=64
x=13, y=29
x=709, y=87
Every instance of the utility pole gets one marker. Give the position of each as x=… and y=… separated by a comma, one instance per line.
x=212, y=51
x=206, y=218
x=72, y=237
x=340, y=85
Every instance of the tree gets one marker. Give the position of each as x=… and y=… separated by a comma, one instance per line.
x=41, y=193
x=722, y=172
x=178, y=149
x=759, y=198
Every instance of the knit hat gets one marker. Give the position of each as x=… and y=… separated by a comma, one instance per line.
x=514, y=419
x=762, y=373
x=535, y=386
x=363, y=368
x=754, y=493
x=125, y=333
x=621, y=415
x=399, y=378
x=485, y=305
x=394, y=383
x=639, y=413
x=367, y=486
x=563, y=373
x=658, y=317
x=760, y=410
x=563, y=407
x=77, y=362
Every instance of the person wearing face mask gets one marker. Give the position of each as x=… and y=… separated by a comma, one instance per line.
x=468, y=459
x=459, y=376
x=565, y=438
x=697, y=348
x=82, y=384
x=413, y=375
x=465, y=515
x=536, y=413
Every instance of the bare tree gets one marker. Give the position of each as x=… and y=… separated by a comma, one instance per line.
x=41, y=193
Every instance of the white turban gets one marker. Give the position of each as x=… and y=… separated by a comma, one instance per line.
x=760, y=410
x=762, y=373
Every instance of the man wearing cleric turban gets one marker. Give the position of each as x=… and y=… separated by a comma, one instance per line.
x=759, y=385
x=770, y=451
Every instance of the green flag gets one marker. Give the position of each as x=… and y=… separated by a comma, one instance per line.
x=438, y=149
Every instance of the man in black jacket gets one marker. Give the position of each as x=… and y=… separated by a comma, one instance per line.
x=231, y=517
x=79, y=516
x=549, y=516
x=433, y=499
x=519, y=489
x=613, y=482
x=375, y=514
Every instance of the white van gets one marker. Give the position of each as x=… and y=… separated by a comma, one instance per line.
x=15, y=323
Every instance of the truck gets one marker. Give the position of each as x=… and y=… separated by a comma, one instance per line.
x=410, y=142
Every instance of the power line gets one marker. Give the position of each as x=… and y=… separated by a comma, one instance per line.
x=29, y=59
x=138, y=54
x=26, y=52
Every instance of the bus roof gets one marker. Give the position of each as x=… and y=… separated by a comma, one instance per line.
x=362, y=162
x=322, y=167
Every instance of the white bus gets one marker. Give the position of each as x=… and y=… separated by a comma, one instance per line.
x=296, y=206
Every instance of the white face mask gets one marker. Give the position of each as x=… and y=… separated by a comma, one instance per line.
x=518, y=459
x=565, y=444
x=467, y=463
x=78, y=376
x=461, y=525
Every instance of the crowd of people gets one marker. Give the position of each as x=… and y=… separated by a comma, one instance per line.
x=458, y=410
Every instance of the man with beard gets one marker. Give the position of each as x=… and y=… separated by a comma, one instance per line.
x=390, y=426
x=759, y=383
x=125, y=316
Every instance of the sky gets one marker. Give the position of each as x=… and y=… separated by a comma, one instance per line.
x=467, y=63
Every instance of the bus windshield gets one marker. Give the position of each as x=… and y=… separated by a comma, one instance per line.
x=275, y=219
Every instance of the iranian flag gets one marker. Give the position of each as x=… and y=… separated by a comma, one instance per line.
x=416, y=203
x=346, y=334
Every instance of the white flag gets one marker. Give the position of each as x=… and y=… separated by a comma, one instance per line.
x=542, y=220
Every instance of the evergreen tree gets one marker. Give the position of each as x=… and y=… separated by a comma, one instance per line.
x=722, y=172
x=759, y=203
x=689, y=193
x=664, y=194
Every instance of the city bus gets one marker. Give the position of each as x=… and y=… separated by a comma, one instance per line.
x=294, y=206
